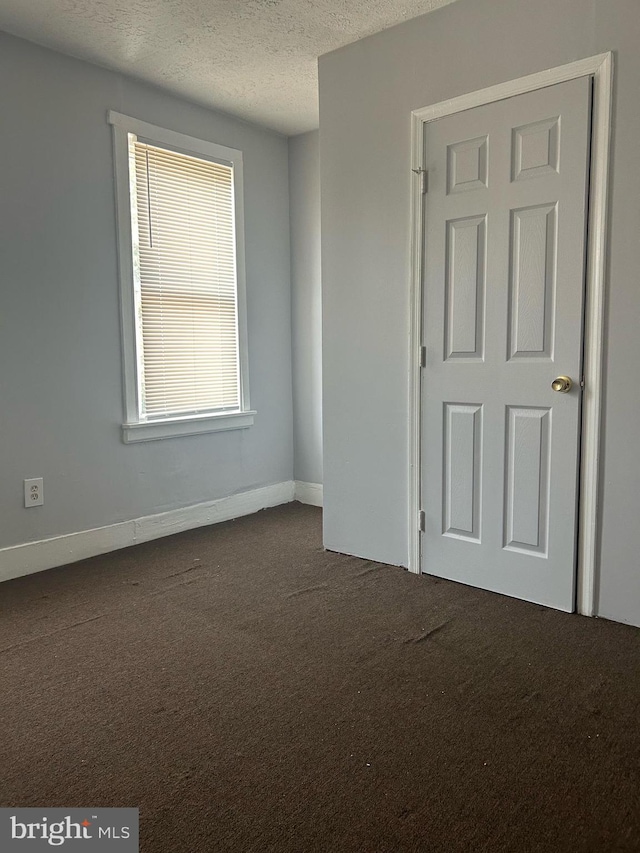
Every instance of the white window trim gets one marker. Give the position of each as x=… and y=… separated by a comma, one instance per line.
x=135, y=428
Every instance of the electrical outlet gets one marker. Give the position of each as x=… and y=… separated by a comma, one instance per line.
x=33, y=492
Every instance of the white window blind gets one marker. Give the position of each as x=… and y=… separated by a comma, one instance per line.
x=184, y=258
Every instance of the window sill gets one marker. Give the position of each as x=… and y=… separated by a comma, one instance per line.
x=192, y=425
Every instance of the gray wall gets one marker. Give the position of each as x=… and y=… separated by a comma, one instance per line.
x=306, y=305
x=60, y=380
x=367, y=91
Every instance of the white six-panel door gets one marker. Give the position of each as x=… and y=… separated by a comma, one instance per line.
x=505, y=217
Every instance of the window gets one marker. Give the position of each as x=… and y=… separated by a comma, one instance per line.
x=182, y=282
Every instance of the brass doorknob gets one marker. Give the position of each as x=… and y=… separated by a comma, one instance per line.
x=562, y=384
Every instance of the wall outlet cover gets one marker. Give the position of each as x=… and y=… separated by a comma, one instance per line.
x=33, y=492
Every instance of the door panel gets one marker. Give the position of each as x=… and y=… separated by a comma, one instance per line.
x=532, y=281
x=462, y=451
x=465, y=267
x=527, y=480
x=503, y=305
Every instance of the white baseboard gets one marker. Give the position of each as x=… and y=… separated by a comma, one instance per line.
x=47, y=553
x=308, y=493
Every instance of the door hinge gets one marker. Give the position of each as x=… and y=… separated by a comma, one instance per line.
x=423, y=174
x=423, y=356
x=422, y=521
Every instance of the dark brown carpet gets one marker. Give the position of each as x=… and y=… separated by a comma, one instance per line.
x=250, y=692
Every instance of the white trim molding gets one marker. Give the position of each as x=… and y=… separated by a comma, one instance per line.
x=194, y=425
x=135, y=426
x=308, y=493
x=600, y=69
x=44, y=554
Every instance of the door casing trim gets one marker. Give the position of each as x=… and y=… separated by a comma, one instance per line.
x=600, y=68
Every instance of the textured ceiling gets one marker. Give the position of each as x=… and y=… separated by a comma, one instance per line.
x=256, y=59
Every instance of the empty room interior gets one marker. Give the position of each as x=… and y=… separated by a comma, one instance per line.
x=319, y=331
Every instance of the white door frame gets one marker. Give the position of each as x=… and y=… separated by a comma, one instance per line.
x=600, y=68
